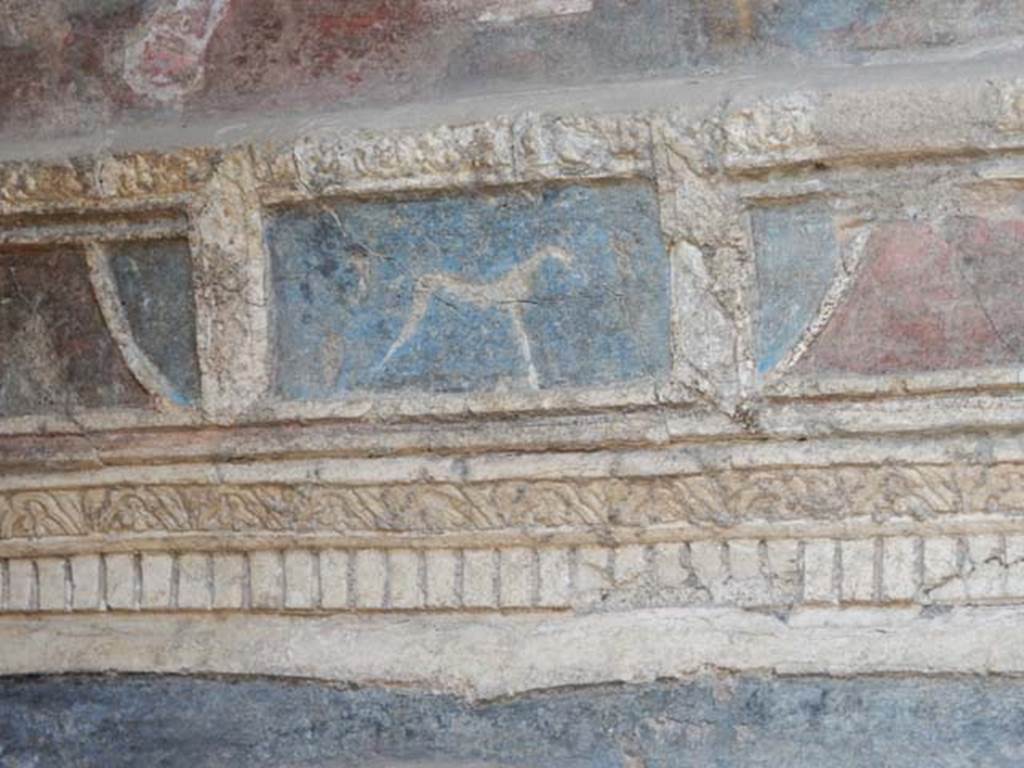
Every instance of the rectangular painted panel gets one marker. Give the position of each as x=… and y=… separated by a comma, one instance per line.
x=524, y=289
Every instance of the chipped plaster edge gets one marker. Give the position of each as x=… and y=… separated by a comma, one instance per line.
x=485, y=656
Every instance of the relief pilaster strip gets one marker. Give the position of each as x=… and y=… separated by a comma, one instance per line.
x=370, y=582
x=334, y=572
x=232, y=289
x=195, y=581
x=23, y=586
x=301, y=579
x=442, y=578
x=267, y=579
x=86, y=575
x=158, y=574
x=228, y=580
x=406, y=589
x=53, y=584
x=121, y=582
x=703, y=227
x=480, y=578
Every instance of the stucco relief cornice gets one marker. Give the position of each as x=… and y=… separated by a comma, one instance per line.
x=709, y=166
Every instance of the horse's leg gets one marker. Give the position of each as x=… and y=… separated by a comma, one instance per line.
x=516, y=311
x=420, y=304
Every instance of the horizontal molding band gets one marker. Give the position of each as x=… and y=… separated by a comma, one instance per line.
x=108, y=440
x=242, y=542
x=964, y=447
x=699, y=500
x=457, y=653
x=754, y=573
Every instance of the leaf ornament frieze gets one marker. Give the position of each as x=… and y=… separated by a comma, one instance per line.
x=687, y=503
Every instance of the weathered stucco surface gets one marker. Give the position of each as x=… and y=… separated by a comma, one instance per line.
x=483, y=355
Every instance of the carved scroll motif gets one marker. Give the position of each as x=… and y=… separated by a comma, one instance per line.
x=723, y=499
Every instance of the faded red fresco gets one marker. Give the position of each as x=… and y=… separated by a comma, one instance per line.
x=165, y=61
x=281, y=53
x=68, y=67
x=930, y=298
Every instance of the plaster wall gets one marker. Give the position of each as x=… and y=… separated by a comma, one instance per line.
x=547, y=382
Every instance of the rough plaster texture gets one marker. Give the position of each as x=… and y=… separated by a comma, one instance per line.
x=430, y=376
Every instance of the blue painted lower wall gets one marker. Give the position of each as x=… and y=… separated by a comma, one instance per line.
x=793, y=722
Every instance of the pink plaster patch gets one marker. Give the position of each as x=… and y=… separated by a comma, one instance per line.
x=165, y=62
x=931, y=298
x=507, y=11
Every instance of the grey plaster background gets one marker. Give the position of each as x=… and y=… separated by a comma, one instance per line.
x=793, y=722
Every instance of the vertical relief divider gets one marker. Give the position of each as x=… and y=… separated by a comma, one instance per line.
x=231, y=278
x=701, y=225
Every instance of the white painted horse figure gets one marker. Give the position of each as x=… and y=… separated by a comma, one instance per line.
x=508, y=293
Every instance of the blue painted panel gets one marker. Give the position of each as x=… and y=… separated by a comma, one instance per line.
x=797, y=255
x=562, y=287
x=154, y=280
